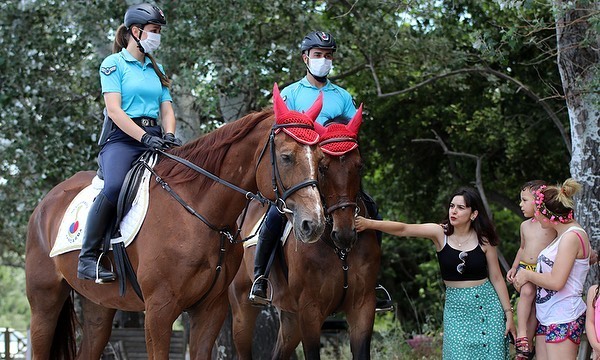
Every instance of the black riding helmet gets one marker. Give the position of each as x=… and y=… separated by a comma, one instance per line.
x=143, y=14
x=318, y=39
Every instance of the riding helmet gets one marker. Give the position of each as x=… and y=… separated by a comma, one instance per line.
x=318, y=39
x=144, y=14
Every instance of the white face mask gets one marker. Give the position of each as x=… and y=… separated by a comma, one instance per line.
x=320, y=67
x=151, y=42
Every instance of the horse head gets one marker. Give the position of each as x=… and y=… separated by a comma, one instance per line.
x=295, y=164
x=339, y=177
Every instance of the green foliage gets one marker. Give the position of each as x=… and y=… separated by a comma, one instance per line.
x=14, y=309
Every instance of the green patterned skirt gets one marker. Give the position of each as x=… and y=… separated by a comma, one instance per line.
x=474, y=324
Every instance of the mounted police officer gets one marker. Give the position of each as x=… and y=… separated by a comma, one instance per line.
x=136, y=91
x=317, y=50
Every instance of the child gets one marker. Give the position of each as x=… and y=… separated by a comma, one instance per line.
x=533, y=239
x=561, y=270
x=592, y=326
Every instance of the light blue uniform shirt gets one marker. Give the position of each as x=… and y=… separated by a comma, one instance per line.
x=139, y=86
x=301, y=95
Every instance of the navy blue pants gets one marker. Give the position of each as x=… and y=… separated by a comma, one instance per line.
x=117, y=157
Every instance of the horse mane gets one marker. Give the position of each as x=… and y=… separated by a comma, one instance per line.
x=209, y=150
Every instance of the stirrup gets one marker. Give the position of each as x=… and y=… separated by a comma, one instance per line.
x=259, y=300
x=103, y=281
x=386, y=304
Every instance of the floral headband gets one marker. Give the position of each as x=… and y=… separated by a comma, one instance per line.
x=540, y=207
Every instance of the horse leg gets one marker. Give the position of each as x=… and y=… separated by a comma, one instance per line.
x=288, y=337
x=161, y=313
x=96, y=328
x=360, y=322
x=310, y=322
x=52, y=313
x=244, y=316
x=206, y=320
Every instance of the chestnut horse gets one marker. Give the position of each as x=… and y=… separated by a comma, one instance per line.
x=336, y=274
x=181, y=263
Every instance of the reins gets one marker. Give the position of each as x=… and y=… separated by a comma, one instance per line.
x=279, y=202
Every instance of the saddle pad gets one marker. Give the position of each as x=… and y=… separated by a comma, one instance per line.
x=70, y=232
x=253, y=238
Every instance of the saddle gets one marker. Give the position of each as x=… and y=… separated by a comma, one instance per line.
x=127, y=195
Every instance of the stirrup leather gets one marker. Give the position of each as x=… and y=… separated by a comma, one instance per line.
x=260, y=300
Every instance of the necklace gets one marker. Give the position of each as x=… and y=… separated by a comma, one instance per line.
x=466, y=241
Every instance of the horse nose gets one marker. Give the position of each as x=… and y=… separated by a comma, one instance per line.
x=344, y=239
x=308, y=226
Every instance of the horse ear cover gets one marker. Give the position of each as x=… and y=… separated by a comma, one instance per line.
x=304, y=135
x=338, y=139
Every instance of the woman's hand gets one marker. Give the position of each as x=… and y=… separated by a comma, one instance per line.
x=361, y=223
x=510, y=325
x=521, y=278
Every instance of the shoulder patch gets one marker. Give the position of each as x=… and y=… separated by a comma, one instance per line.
x=284, y=97
x=108, y=70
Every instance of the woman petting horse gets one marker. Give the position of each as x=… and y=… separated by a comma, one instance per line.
x=135, y=91
x=336, y=274
x=182, y=264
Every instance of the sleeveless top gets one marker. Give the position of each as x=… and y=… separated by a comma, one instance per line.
x=474, y=268
x=566, y=304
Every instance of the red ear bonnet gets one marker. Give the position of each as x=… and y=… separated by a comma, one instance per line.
x=338, y=139
x=304, y=135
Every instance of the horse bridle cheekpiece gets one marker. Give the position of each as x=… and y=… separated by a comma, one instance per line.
x=300, y=127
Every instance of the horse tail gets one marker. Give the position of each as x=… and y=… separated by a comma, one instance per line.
x=64, y=344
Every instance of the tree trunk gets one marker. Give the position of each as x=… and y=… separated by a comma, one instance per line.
x=578, y=45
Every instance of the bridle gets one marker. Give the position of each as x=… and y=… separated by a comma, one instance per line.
x=276, y=177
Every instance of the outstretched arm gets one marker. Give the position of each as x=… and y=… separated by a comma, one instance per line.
x=435, y=232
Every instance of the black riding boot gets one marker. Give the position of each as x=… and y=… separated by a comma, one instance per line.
x=100, y=215
x=267, y=239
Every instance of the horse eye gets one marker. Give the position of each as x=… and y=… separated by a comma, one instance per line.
x=286, y=158
x=322, y=169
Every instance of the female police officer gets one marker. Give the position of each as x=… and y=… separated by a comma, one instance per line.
x=135, y=91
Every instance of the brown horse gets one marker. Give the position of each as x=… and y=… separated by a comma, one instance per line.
x=336, y=274
x=181, y=263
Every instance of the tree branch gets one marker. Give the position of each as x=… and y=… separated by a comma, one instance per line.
x=498, y=74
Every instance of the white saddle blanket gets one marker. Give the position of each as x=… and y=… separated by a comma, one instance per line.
x=253, y=236
x=70, y=233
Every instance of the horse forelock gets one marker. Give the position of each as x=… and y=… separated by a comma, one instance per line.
x=209, y=151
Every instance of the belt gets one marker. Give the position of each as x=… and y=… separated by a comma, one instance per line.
x=144, y=121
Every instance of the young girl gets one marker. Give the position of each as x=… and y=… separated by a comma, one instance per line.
x=560, y=274
x=534, y=238
x=592, y=326
x=477, y=312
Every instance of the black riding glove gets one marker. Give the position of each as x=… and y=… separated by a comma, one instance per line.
x=153, y=142
x=171, y=140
